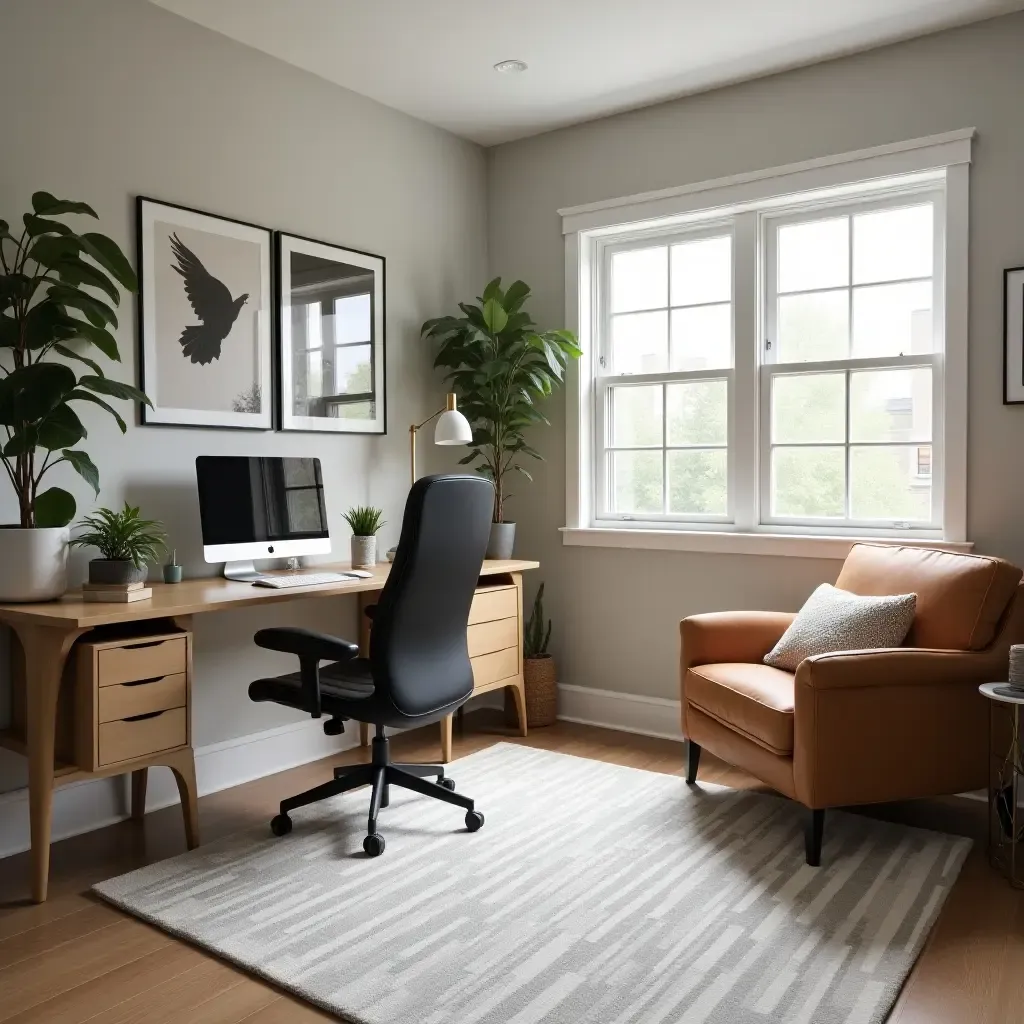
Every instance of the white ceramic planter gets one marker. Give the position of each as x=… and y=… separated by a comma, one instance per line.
x=364, y=552
x=33, y=563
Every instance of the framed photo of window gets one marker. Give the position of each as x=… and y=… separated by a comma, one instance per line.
x=1013, y=327
x=330, y=338
x=205, y=318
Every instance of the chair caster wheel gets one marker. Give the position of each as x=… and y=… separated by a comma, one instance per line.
x=474, y=820
x=373, y=845
x=448, y=784
x=281, y=825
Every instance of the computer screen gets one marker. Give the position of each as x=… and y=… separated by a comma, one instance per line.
x=255, y=506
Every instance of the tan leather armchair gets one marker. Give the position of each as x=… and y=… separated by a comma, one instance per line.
x=859, y=727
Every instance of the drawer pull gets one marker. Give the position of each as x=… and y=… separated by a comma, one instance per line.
x=139, y=718
x=136, y=647
x=143, y=682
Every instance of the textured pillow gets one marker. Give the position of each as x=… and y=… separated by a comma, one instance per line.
x=836, y=620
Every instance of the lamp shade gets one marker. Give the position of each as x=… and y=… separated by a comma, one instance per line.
x=452, y=428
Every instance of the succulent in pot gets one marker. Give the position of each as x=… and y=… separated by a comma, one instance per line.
x=127, y=544
x=365, y=521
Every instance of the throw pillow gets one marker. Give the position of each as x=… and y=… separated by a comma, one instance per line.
x=836, y=620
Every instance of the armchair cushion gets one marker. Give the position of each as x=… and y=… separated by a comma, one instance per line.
x=961, y=599
x=755, y=700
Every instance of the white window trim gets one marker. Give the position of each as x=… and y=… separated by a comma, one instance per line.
x=939, y=159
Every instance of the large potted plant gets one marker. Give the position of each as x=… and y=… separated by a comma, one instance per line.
x=58, y=293
x=501, y=367
x=127, y=544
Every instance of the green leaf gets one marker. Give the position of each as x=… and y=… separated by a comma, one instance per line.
x=49, y=250
x=41, y=226
x=15, y=288
x=46, y=323
x=493, y=291
x=8, y=332
x=69, y=353
x=108, y=255
x=115, y=389
x=5, y=229
x=85, y=468
x=98, y=312
x=38, y=389
x=25, y=439
x=60, y=429
x=54, y=507
x=518, y=292
x=49, y=205
x=99, y=337
x=75, y=272
x=519, y=469
x=86, y=396
x=495, y=316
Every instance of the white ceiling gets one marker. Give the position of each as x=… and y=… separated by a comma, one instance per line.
x=433, y=58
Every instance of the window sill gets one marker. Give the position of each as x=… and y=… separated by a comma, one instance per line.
x=725, y=543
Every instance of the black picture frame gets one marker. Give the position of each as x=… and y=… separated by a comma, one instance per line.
x=366, y=264
x=1013, y=336
x=150, y=333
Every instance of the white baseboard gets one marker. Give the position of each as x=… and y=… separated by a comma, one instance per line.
x=626, y=712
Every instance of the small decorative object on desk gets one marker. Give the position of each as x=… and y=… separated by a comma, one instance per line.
x=365, y=522
x=126, y=541
x=172, y=571
x=540, y=675
x=1016, y=677
x=115, y=593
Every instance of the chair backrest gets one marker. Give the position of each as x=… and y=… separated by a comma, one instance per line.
x=960, y=598
x=418, y=650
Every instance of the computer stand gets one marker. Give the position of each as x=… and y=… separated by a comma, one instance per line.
x=244, y=571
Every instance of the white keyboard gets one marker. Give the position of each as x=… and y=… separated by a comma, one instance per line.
x=302, y=579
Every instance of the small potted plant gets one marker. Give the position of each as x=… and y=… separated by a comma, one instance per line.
x=127, y=544
x=540, y=677
x=365, y=521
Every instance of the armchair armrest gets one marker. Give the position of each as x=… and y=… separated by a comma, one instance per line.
x=730, y=636
x=900, y=666
x=311, y=648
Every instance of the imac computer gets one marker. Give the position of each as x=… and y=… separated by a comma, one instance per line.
x=255, y=507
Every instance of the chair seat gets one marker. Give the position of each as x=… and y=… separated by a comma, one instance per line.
x=340, y=681
x=753, y=699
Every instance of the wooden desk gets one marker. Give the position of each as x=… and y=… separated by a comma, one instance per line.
x=47, y=632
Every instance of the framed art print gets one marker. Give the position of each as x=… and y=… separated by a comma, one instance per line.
x=1013, y=328
x=205, y=318
x=330, y=338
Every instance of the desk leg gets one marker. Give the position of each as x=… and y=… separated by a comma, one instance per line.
x=140, y=777
x=46, y=649
x=183, y=764
x=446, y=739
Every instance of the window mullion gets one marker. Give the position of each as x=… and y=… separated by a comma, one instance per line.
x=743, y=390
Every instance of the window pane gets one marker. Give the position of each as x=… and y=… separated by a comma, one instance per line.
x=814, y=326
x=891, y=405
x=352, y=319
x=889, y=245
x=808, y=482
x=702, y=338
x=697, y=482
x=814, y=255
x=636, y=416
x=639, y=279
x=809, y=408
x=640, y=343
x=892, y=320
x=353, y=373
x=697, y=412
x=636, y=482
x=702, y=271
x=885, y=484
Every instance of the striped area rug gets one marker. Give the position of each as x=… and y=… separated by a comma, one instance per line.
x=593, y=893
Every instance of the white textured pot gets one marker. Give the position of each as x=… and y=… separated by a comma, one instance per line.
x=33, y=563
x=364, y=552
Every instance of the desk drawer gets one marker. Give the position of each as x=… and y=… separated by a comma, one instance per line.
x=147, y=659
x=125, y=700
x=494, y=604
x=487, y=637
x=131, y=738
x=489, y=668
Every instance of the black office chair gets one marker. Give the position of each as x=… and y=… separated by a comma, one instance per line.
x=418, y=670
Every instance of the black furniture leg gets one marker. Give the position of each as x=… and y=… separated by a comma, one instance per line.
x=377, y=798
x=422, y=771
x=813, y=837
x=399, y=777
x=692, y=761
x=358, y=775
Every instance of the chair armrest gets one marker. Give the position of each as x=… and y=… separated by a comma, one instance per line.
x=306, y=643
x=717, y=637
x=900, y=666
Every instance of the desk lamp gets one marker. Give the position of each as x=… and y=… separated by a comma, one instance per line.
x=452, y=428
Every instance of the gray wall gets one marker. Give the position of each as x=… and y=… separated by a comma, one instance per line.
x=616, y=611
x=108, y=99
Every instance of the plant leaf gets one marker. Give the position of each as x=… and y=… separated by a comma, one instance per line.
x=99, y=337
x=85, y=468
x=60, y=429
x=54, y=507
x=107, y=253
x=495, y=316
x=49, y=250
x=86, y=396
x=517, y=293
x=75, y=272
x=49, y=205
x=69, y=353
x=41, y=226
x=38, y=389
x=492, y=291
x=114, y=388
x=98, y=312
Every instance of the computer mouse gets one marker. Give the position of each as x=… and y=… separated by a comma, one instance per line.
x=361, y=573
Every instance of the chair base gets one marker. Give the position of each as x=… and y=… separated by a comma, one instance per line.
x=381, y=774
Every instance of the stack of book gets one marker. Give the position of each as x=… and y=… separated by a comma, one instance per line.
x=122, y=592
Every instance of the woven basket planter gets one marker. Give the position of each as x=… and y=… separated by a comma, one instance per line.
x=540, y=679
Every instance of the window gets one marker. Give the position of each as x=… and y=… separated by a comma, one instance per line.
x=790, y=363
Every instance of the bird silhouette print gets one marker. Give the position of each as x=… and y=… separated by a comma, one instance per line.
x=212, y=303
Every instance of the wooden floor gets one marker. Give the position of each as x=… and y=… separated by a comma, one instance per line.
x=74, y=959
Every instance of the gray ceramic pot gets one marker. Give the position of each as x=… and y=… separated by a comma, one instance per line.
x=113, y=570
x=503, y=538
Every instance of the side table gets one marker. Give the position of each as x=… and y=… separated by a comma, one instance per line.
x=1006, y=772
